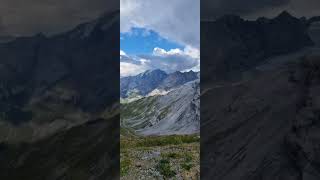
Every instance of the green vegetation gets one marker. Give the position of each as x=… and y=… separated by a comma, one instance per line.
x=171, y=155
x=187, y=164
x=137, y=108
x=158, y=157
x=164, y=168
x=167, y=140
x=153, y=141
x=125, y=164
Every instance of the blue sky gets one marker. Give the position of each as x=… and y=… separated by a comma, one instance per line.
x=154, y=35
x=141, y=41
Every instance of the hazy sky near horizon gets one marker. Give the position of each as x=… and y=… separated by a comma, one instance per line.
x=159, y=35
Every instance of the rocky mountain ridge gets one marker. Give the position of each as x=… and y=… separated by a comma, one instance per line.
x=232, y=45
x=146, y=82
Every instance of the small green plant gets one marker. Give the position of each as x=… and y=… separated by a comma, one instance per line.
x=187, y=164
x=188, y=157
x=124, y=166
x=165, y=169
x=171, y=155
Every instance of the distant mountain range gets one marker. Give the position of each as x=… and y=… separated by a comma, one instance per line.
x=144, y=83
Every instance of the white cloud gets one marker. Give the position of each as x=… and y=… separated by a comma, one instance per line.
x=169, y=61
x=130, y=66
x=130, y=69
x=177, y=20
x=161, y=52
x=122, y=53
x=188, y=51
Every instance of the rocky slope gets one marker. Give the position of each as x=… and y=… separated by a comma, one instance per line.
x=49, y=83
x=58, y=103
x=265, y=123
x=264, y=127
x=88, y=151
x=174, y=113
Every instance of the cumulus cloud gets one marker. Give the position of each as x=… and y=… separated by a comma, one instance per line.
x=169, y=61
x=130, y=69
x=130, y=66
x=188, y=51
x=177, y=20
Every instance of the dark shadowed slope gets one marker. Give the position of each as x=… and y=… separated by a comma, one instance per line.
x=59, y=101
x=266, y=125
x=88, y=151
x=50, y=83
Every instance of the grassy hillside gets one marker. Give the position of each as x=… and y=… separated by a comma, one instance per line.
x=159, y=157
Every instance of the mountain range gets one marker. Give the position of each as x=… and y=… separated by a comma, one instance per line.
x=59, y=100
x=260, y=98
x=259, y=101
x=144, y=83
x=233, y=45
